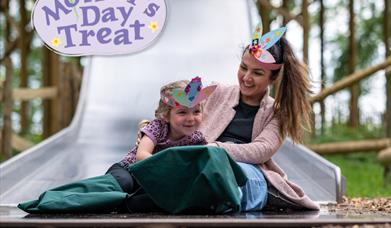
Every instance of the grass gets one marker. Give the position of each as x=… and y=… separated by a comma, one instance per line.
x=363, y=173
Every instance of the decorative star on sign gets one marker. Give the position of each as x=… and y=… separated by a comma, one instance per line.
x=132, y=2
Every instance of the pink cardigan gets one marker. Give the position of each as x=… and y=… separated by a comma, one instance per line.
x=266, y=139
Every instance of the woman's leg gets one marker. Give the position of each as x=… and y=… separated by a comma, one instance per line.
x=254, y=192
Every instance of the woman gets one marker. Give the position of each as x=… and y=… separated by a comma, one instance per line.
x=251, y=126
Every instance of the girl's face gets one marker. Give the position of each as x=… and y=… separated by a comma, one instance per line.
x=184, y=121
x=253, y=79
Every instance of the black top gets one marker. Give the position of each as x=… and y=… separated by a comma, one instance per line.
x=241, y=127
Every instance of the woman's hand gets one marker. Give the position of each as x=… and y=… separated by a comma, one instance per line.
x=212, y=144
x=145, y=148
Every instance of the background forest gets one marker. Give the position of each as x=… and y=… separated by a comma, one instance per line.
x=347, y=44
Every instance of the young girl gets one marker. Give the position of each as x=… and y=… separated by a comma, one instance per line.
x=175, y=124
x=178, y=116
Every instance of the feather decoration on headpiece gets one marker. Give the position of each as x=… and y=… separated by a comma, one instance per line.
x=260, y=44
x=192, y=95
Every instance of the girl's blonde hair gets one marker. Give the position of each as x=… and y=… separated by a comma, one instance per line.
x=163, y=110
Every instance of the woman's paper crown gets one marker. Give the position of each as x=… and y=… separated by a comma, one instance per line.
x=260, y=44
x=192, y=95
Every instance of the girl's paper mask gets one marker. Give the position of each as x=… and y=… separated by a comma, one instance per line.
x=192, y=95
x=260, y=44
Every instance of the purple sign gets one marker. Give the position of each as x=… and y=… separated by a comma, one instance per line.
x=98, y=27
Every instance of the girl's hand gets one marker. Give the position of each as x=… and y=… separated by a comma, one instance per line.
x=145, y=148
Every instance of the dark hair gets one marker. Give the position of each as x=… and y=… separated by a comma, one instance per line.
x=291, y=106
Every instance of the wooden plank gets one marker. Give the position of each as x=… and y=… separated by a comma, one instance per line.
x=350, y=146
x=28, y=94
x=19, y=143
x=350, y=80
x=24, y=94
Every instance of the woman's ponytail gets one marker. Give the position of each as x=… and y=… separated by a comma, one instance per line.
x=292, y=106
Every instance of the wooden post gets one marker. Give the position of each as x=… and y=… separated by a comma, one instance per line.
x=51, y=75
x=384, y=158
x=69, y=87
x=65, y=94
x=6, y=132
x=24, y=49
x=76, y=72
x=7, y=111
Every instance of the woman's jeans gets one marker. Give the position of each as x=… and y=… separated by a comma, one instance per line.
x=254, y=193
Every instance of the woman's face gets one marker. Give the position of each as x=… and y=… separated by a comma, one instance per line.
x=253, y=79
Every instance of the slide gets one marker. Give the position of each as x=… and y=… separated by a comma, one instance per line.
x=201, y=38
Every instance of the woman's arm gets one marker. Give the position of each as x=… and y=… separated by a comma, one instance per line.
x=145, y=148
x=260, y=150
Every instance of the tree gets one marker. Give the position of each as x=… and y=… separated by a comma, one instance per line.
x=322, y=67
x=387, y=44
x=354, y=118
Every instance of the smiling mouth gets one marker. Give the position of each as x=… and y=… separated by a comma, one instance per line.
x=247, y=85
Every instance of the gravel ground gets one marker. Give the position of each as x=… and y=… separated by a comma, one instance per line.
x=362, y=206
x=365, y=205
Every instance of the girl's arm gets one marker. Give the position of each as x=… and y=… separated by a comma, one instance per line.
x=145, y=148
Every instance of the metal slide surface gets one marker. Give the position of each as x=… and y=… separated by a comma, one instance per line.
x=202, y=38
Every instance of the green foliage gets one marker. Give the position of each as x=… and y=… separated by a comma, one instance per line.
x=369, y=33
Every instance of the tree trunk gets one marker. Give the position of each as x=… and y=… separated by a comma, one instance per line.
x=69, y=91
x=24, y=49
x=306, y=30
x=354, y=118
x=285, y=7
x=264, y=11
x=51, y=75
x=6, y=133
x=387, y=44
x=322, y=68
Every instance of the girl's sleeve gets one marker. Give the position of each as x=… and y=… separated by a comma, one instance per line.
x=199, y=139
x=260, y=150
x=155, y=130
